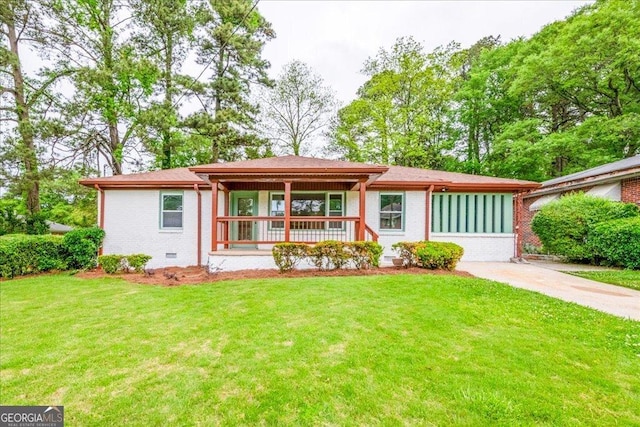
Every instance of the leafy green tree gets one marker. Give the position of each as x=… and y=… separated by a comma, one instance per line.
x=297, y=108
x=164, y=35
x=230, y=36
x=65, y=201
x=14, y=20
x=111, y=78
x=401, y=115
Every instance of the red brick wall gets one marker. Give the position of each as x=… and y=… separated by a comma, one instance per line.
x=631, y=190
x=528, y=236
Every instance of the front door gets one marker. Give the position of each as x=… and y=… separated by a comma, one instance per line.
x=244, y=205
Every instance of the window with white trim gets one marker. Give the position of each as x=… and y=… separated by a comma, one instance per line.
x=309, y=204
x=392, y=211
x=171, y=210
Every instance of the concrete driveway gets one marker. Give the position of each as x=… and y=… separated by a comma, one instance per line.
x=611, y=299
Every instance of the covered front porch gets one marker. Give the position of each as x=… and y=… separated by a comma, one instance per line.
x=257, y=208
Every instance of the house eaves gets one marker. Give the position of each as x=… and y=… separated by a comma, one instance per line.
x=585, y=182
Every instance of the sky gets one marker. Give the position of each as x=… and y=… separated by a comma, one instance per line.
x=336, y=37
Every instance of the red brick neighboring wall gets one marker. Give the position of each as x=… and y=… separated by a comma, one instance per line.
x=631, y=190
x=528, y=236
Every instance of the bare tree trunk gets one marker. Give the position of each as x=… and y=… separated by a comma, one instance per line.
x=215, y=145
x=112, y=115
x=168, y=101
x=25, y=128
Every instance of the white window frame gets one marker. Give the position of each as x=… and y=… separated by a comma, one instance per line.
x=162, y=210
x=402, y=212
x=327, y=195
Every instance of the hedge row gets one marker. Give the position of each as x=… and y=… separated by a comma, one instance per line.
x=616, y=242
x=327, y=255
x=112, y=264
x=564, y=225
x=431, y=255
x=24, y=254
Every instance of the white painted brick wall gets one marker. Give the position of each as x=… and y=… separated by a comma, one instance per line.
x=132, y=225
x=415, y=205
x=481, y=247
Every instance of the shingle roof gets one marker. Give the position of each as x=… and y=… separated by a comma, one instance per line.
x=609, y=168
x=405, y=174
x=288, y=163
x=178, y=176
x=381, y=176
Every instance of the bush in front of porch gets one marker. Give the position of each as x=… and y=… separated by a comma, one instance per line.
x=328, y=255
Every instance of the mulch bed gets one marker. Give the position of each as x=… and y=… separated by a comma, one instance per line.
x=176, y=276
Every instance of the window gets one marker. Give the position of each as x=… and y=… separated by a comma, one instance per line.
x=171, y=210
x=472, y=213
x=309, y=204
x=391, y=211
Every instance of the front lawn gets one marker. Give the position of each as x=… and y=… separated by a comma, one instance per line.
x=391, y=350
x=626, y=278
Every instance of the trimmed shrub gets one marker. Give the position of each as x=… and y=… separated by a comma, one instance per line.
x=288, y=255
x=329, y=255
x=23, y=254
x=116, y=263
x=438, y=255
x=138, y=262
x=432, y=255
x=617, y=242
x=364, y=254
x=82, y=247
x=111, y=264
x=563, y=225
x=407, y=251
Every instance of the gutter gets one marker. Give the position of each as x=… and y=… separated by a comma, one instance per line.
x=101, y=215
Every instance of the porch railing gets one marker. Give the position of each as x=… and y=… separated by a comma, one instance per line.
x=243, y=230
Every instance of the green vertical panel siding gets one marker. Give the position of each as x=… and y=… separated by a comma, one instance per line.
x=435, y=213
x=445, y=214
x=497, y=213
x=508, y=214
x=453, y=208
x=472, y=213
x=479, y=213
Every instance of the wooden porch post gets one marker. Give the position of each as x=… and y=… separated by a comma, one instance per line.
x=427, y=214
x=226, y=213
x=363, y=200
x=287, y=211
x=214, y=216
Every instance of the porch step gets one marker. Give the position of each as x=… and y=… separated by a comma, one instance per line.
x=241, y=252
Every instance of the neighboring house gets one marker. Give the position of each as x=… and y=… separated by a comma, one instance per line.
x=615, y=181
x=57, y=228
x=255, y=203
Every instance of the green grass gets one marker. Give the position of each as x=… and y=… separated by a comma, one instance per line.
x=391, y=350
x=627, y=278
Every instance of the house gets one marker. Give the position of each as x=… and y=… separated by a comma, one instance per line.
x=57, y=228
x=615, y=181
x=231, y=214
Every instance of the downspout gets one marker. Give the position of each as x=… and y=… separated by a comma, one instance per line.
x=517, y=225
x=199, y=236
x=427, y=215
x=101, y=214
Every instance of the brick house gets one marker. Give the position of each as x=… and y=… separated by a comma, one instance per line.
x=235, y=212
x=618, y=181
